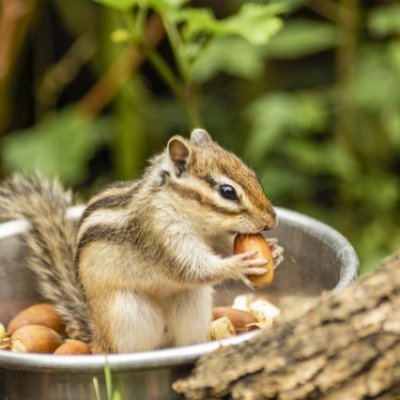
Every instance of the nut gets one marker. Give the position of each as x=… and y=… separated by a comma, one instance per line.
x=242, y=302
x=221, y=328
x=240, y=319
x=35, y=339
x=244, y=243
x=38, y=314
x=73, y=346
x=264, y=311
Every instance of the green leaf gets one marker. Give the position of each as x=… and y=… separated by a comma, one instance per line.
x=61, y=144
x=166, y=6
x=385, y=20
x=301, y=37
x=309, y=113
x=231, y=55
x=255, y=23
x=376, y=82
x=321, y=158
x=122, y=5
x=162, y=6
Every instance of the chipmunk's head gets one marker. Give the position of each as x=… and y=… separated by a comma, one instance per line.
x=215, y=188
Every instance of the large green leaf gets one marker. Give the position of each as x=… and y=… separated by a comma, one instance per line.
x=232, y=55
x=61, y=144
x=256, y=23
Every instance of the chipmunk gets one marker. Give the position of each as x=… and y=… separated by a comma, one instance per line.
x=135, y=273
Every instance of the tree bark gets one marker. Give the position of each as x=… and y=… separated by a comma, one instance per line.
x=346, y=346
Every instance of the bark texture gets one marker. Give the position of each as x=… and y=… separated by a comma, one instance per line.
x=345, y=347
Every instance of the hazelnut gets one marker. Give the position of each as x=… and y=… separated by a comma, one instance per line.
x=35, y=339
x=38, y=314
x=244, y=243
x=73, y=346
x=240, y=319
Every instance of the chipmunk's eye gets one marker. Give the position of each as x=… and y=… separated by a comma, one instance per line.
x=228, y=192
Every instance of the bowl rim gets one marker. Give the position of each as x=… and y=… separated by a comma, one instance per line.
x=170, y=357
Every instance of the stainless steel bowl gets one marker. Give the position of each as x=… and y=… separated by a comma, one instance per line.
x=317, y=259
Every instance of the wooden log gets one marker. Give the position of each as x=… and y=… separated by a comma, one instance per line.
x=345, y=346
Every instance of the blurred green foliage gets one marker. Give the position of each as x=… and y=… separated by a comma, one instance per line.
x=307, y=92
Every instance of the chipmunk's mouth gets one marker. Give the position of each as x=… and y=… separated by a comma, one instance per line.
x=245, y=233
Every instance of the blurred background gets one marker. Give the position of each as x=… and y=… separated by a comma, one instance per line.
x=307, y=92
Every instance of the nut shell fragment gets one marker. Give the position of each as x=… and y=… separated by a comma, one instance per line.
x=221, y=328
x=264, y=311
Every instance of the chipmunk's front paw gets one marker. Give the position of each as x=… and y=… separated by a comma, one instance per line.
x=241, y=265
x=276, y=250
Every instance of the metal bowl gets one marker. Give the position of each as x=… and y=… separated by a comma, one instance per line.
x=317, y=259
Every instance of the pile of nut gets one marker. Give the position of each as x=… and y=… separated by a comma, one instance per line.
x=247, y=313
x=39, y=329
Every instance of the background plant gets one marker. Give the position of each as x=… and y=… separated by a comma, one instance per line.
x=305, y=91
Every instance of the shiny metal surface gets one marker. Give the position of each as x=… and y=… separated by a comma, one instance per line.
x=317, y=258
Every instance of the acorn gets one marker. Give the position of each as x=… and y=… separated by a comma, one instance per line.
x=241, y=320
x=73, y=346
x=256, y=242
x=43, y=314
x=35, y=339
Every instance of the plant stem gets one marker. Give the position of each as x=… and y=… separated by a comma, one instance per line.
x=348, y=20
x=177, y=48
x=348, y=17
x=180, y=92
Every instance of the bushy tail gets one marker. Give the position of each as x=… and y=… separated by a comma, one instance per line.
x=51, y=243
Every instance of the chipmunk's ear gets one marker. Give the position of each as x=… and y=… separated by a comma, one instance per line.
x=179, y=153
x=200, y=136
